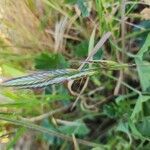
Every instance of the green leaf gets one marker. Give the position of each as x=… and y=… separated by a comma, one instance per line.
x=50, y=61
x=144, y=126
x=81, y=50
x=77, y=128
x=124, y=127
x=146, y=108
x=139, y=107
x=144, y=66
x=110, y=110
x=83, y=6
x=134, y=131
x=144, y=74
x=50, y=139
x=141, y=39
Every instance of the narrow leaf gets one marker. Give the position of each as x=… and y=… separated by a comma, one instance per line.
x=45, y=78
x=44, y=130
x=143, y=66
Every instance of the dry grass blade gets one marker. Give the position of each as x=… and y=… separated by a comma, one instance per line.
x=76, y=145
x=59, y=34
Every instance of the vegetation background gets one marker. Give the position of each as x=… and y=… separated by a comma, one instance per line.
x=112, y=107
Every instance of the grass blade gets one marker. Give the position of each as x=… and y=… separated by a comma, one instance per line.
x=35, y=127
x=45, y=78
